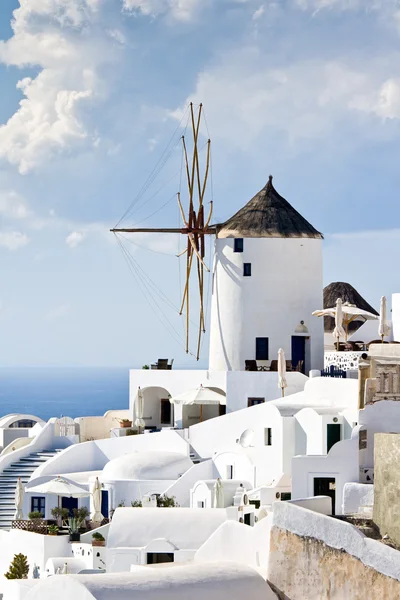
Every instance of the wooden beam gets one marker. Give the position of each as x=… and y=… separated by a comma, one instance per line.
x=208, y=231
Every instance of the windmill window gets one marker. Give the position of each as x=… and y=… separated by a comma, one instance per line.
x=262, y=348
x=238, y=245
x=247, y=269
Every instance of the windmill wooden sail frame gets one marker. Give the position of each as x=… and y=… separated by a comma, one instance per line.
x=195, y=226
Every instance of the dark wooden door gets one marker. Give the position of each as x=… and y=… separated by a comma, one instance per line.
x=69, y=503
x=326, y=486
x=298, y=351
x=332, y=435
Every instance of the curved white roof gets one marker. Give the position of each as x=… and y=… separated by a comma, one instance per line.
x=184, y=528
x=194, y=581
x=151, y=466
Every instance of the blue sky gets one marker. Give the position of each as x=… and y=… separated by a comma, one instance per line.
x=91, y=92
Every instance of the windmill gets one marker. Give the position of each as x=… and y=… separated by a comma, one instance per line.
x=195, y=226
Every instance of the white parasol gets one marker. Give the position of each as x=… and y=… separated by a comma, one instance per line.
x=201, y=395
x=96, y=516
x=19, y=500
x=60, y=487
x=139, y=409
x=384, y=328
x=219, y=500
x=282, y=383
x=65, y=569
x=350, y=313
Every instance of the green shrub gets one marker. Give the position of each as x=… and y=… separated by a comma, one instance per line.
x=60, y=513
x=35, y=514
x=136, y=503
x=19, y=568
x=167, y=501
x=98, y=537
x=52, y=529
x=131, y=432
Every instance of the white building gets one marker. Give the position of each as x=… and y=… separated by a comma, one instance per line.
x=267, y=281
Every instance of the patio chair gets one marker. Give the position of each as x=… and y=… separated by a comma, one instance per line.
x=289, y=366
x=274, y=365
x=169, y=366
x=251, y=365
x=300, y=366
x=161, y=364
x=376, y=342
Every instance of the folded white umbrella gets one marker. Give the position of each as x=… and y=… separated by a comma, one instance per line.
x=219, y=499
x=384, y=328
x=139, y=409
x=65, y=569
x=339, y=332
x=282, y=383
x=96, y=516
x=60, y=487
x=19, y=500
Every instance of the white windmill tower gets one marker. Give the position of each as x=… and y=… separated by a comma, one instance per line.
x=267, y=281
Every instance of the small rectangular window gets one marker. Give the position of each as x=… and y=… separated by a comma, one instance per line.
x=247, y=269
x=229, y=471
x=255, y=401
x=238, y=245
x=268, y=436
x=262, y=349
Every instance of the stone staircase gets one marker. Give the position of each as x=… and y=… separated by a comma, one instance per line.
x=8, y=482
x=194, y=457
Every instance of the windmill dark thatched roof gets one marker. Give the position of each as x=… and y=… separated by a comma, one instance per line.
x=348, y=294
x=267, y=215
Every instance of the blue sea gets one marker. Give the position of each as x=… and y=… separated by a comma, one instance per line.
x=55, y=392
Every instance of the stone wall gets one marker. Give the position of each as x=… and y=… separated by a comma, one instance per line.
x=387, y=484
x=304, y=568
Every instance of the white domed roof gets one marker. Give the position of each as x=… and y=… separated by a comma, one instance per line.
x=150, y=465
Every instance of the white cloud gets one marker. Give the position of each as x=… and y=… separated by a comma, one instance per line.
x=302, y=101
x=13, y=240
x=50, y=118
x=12, y=206
x=74, y=239
x=385, y=102
x=259, y=13
x=181, y=10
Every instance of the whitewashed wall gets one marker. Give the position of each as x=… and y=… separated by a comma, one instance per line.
x=285, y=287
x=341, y=463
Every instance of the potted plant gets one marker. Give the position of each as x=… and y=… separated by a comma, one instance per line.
x=98, y=539
x=146, y=367
x=81, y=514
x=19, y=567
x=35, y=515
x=73, y=526
x=52, y=530
x=125, y=423
x=60, y=515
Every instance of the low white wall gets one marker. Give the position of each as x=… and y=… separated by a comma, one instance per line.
x=97, y=428
x=241, y=385
x=318, y=504
x=337, y=534
x=330, y=390
x=237, y=542
x=180, y=583
x=38, y=548
x=356, y=497
x=16, y=445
